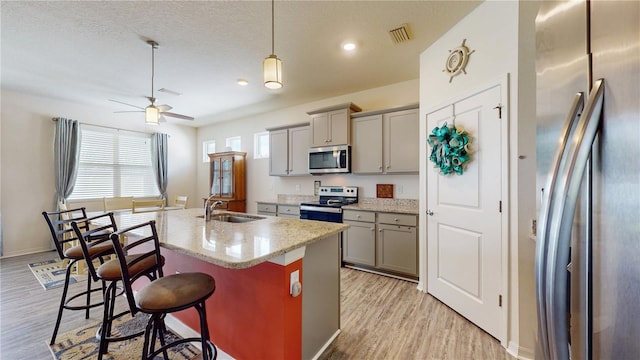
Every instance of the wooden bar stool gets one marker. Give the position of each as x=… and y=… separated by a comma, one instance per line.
x=110, y=272
x=62, y=235
x=165, y=295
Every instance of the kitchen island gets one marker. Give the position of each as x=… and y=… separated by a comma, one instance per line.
x=253, y=313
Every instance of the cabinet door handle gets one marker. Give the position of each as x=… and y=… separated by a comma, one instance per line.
x=380, y=167
x=373, y=229
x=379, y=230
x=395, y=219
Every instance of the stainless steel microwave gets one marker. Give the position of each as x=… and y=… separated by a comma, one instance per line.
x=330, y=160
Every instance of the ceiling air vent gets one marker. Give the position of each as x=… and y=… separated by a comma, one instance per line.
x=167, y=91
x=400, y=34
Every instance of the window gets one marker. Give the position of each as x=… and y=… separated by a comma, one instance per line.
x=208, y=147
x=114, y=163
x=233, y=143
x=261, y=145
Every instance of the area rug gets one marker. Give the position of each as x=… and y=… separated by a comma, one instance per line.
x=81, y=343
x=50, y=273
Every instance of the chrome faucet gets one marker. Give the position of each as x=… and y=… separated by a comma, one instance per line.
x=209, y=207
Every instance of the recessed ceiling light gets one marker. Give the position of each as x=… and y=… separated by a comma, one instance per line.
x=349, y=46
x=243, y=82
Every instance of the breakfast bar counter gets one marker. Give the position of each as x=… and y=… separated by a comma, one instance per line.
x=260, y=264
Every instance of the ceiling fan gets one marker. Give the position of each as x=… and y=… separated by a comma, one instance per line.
x=154, y=113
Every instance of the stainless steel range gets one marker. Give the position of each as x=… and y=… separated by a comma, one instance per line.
x=329, y=206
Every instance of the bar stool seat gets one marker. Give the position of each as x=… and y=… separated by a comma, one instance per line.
x=75, y=252
x=175, y=292
x=111, y=271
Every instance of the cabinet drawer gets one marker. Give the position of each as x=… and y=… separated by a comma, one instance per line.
x=288, y=210
x=267, y=208
x=397, y=219
x=354, y=215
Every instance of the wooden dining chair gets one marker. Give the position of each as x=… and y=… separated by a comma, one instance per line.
x=181, y=201
x=140, y=206
x=117, y=203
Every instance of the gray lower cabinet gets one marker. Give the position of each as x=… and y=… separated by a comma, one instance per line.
x=385, y=242
x=359, y=243
x=289, y=211
x=396, y=247
x=267, y=209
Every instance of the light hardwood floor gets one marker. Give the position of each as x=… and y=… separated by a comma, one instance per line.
x=382, y=318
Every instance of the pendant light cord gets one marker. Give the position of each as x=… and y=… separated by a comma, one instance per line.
x=272, y=27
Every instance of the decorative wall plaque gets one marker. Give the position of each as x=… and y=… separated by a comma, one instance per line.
x=457, y=60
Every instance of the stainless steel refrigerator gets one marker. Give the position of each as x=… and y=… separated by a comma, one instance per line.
x=588, y=178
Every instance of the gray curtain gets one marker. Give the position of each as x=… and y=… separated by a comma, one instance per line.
x=66, y=156
x=159, y=160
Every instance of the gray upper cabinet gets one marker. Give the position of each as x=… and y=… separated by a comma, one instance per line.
x=288, y=151
x=386, y=141
x=366, y=152
x=332, y=126
x=278, y=152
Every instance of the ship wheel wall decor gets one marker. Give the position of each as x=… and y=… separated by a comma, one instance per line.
x=457, y=60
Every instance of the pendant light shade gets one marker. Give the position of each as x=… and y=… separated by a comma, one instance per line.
x=272, y=65
x=151, y=115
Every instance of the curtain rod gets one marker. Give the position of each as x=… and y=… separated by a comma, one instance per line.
x=113, y=128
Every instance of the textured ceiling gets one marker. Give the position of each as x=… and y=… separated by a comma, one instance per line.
x=92, y=51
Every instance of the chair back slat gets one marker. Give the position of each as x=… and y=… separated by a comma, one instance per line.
x=147, y=205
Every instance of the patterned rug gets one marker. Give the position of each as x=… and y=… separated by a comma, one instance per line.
x=50, y=273
x=81, y=343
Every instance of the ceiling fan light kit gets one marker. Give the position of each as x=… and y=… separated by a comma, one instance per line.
x=151, y=115
x=272, y=65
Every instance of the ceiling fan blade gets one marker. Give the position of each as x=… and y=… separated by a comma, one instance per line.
x=179, y=116
x=164, y=107
x=124, y=103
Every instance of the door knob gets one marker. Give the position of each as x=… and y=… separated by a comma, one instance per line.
x=429, y=212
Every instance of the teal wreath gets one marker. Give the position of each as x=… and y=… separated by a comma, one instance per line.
x=450, y=148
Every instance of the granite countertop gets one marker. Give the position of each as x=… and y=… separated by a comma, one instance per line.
x=231, y=245
x=400, y=206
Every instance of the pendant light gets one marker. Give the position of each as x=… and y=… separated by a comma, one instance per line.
x=151, y=112
x=272, y=65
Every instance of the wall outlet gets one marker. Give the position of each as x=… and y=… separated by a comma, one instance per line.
x=297, y=187
x=399, y=189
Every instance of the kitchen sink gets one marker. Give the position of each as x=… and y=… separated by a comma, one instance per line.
x=233, y=218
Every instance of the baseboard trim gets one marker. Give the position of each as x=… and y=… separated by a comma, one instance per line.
x=326, y=345
x=184, y=331
x=521, y=353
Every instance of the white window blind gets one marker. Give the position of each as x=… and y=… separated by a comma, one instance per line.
x=114, y=163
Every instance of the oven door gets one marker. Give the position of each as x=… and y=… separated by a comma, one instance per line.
x=319, y=213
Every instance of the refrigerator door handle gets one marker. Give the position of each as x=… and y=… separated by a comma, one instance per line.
x=547, y=200
x=561, y=224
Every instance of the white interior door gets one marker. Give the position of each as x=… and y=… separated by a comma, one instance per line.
x=464, y=230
